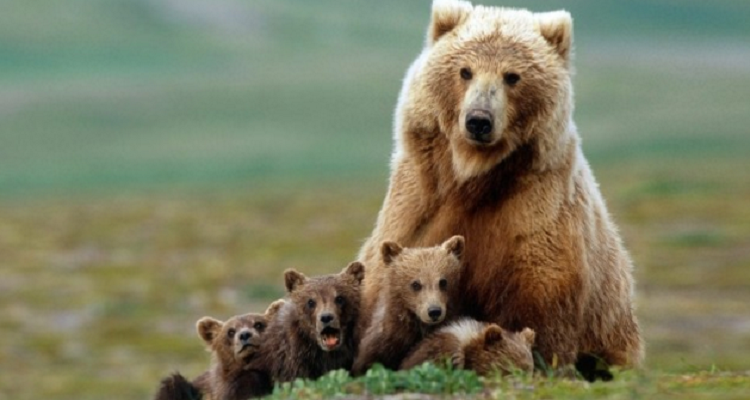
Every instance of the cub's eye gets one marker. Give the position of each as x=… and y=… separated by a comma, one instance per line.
x=443, y=283
x=416, y=286
x=258, y=326
x=339, y=300
x=230, y=333
x=311, y=303
x=466, y=74
x=511, y=78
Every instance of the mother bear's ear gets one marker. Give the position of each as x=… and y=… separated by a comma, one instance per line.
x=389, y=251
x=446, y=16
x=556, y=27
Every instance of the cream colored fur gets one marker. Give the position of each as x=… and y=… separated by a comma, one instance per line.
x=542, y=250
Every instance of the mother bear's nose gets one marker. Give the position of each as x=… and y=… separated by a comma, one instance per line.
x=479, y=125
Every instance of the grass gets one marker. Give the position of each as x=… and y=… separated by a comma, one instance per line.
x=100, y=294
x=429, y=381
x=378, y=381
x=161, y=161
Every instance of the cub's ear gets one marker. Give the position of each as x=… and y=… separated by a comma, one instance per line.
x=208, y=329
x=493, y=334
x=455, y=246
x=293, y=279
x=274, y=308
x=389, y=251
x=528, y=336
x=356, y=269
x=446, y=16
x=556, y=28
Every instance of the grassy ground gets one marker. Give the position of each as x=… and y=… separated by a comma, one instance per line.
x=161, y=161
x=430, y=382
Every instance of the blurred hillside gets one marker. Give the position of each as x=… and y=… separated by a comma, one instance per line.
x=131, y=94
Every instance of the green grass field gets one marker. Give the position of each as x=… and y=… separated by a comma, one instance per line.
x=165, y=160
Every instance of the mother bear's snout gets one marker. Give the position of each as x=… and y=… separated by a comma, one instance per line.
x=479, y=124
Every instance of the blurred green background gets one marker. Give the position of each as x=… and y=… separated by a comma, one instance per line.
x=165, y=160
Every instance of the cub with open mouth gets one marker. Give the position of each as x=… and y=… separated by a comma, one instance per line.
x=236, y=372
x=316, y=330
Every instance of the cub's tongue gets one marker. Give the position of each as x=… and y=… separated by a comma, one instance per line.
x=331, y=341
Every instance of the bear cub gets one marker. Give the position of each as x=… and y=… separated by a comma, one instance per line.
x=479, y=346
x=236, y=372
x=414, y=300
x=316, y=329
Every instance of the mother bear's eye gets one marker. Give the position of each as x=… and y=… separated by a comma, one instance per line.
x=511, y=78
x=416, y=286
x=466, y=74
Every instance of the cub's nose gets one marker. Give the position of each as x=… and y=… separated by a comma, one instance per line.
x=245, y=336
x=326, y=318
x=479, y=125
x=434, y=313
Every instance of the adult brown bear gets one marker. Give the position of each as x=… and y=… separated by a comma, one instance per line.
x=485, y=147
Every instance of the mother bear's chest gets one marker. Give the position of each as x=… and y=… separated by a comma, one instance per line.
x=491, y=234
x=488, y=254
x=502, y=240
x=493, y=227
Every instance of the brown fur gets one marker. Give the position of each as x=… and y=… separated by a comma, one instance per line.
x=542, y=250
x=411, y=289
x=176, y=387
x=236, y=372
x=478, y=346
x=298, y=346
